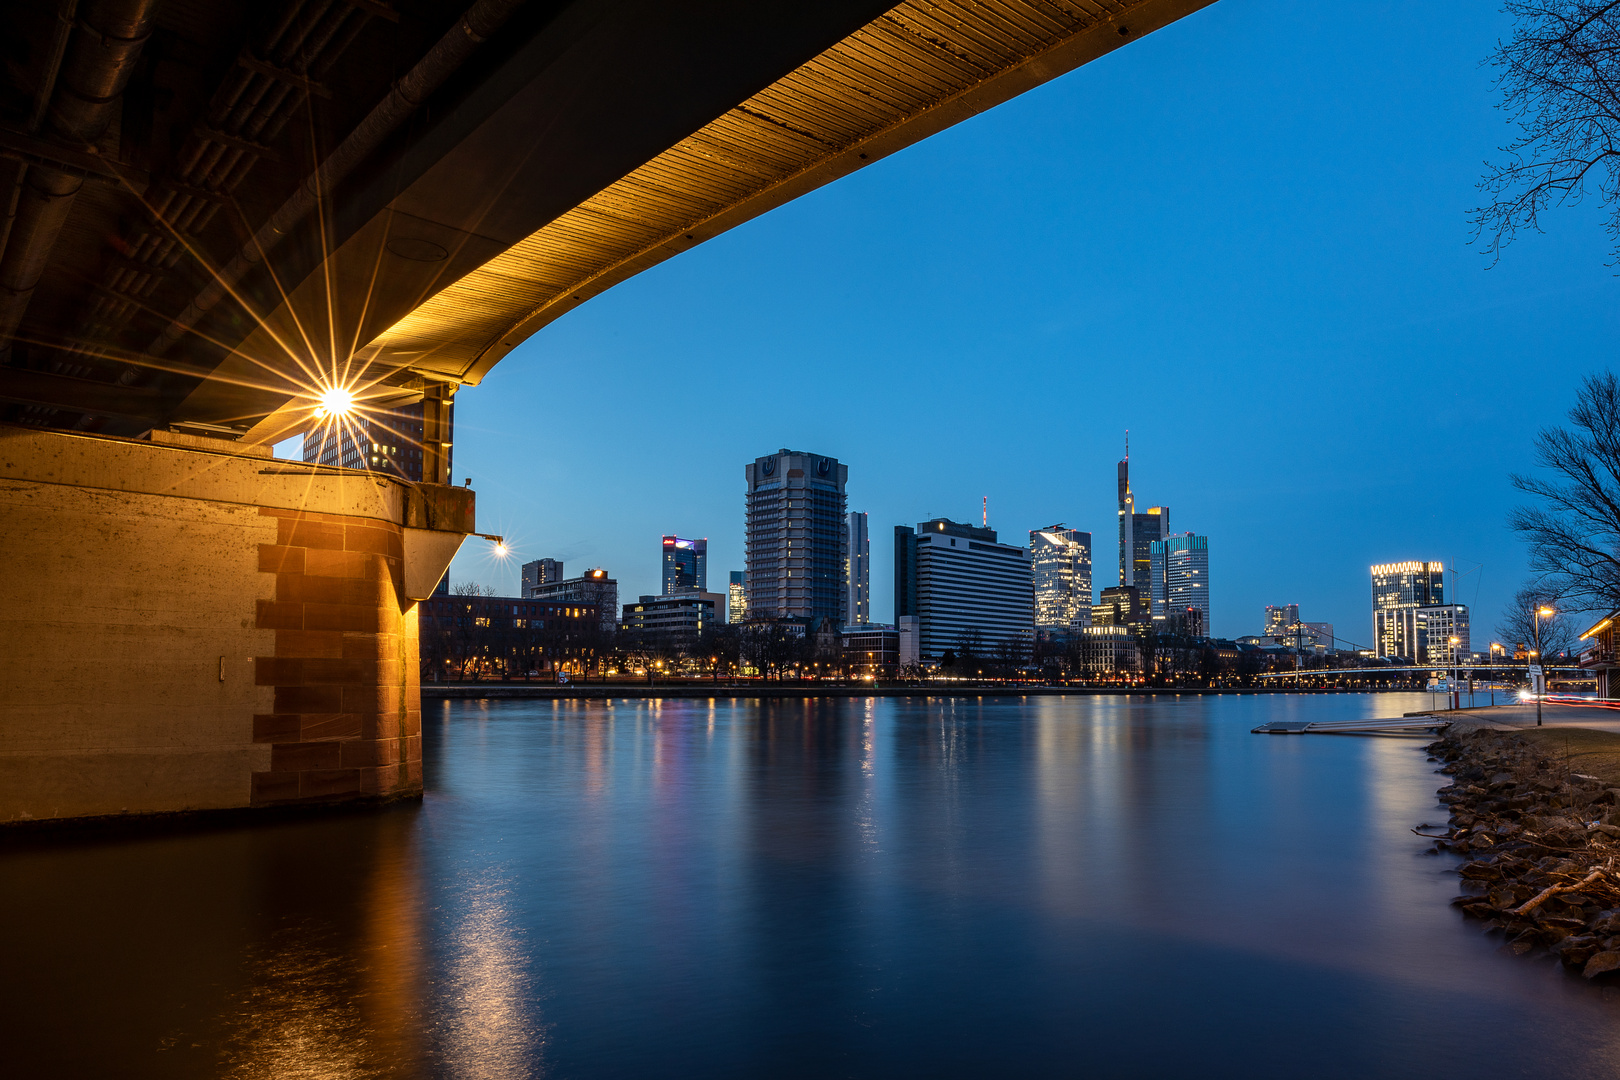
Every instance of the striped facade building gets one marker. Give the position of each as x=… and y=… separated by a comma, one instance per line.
x=967, y=585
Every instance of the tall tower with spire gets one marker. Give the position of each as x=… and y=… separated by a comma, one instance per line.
x=1137, y=532
x=1127, y=511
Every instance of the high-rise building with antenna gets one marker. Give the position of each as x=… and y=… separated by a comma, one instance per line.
x=1137, y=532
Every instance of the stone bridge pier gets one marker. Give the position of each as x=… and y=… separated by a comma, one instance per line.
x=187, y=623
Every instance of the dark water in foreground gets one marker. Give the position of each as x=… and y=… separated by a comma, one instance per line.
x=1050, y=887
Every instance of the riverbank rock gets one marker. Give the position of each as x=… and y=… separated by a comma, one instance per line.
x=1543, y=842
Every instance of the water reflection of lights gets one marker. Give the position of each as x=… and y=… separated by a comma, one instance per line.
x=299, y=1019
x=492, y=1033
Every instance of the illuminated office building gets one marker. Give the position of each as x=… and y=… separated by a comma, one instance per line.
x=796, y=536
x=1280, y=619
x=1285, y=627
x=737, y=598
x=1137, y=533
x=1060, y=563
x=685, y=565
x=1398, y=590
x=1180, y=572
x=857, y=570
x=1121, y=605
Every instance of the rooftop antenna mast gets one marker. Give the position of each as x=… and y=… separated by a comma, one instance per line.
x=986, y=518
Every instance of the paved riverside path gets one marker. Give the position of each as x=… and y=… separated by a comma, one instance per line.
x=1520, y=715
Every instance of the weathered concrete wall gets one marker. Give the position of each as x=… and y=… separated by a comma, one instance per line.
x=183, y=627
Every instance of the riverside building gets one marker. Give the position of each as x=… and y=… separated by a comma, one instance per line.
x=1398, y=591
x=857, y=570
x=795, y=516
x=671, y=622
x=1060, y=564
x=1180, y=570
x=966, y=584
x=593, y=588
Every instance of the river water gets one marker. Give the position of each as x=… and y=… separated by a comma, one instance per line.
x=1080, y=886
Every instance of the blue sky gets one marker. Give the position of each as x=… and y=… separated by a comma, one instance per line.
x=1244, y=237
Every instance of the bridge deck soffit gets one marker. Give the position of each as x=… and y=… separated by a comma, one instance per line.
x=915, y=70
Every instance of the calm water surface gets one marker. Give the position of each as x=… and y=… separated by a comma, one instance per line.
x=929, y=887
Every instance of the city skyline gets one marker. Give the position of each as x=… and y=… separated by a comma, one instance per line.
x=1286, y=322
x=689, y=557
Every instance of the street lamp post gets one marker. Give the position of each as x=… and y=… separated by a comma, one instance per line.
x=1456, y=696
x=1540, y=611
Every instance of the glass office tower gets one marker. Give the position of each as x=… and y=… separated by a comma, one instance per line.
x=685, y=565
x=1060, y=561
x=1180, y=566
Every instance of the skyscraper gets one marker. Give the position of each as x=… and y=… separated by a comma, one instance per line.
x=1180, y=567
x=685, y=565
x=857, y=570
x=1398, y=590
x=1060, y=561
x=1137, y=532
x=795, y=528
x=967, y=586
x=905, y=572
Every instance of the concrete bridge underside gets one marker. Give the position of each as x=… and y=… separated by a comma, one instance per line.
x=216, y=213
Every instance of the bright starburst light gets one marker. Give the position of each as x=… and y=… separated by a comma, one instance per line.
x=335, y=402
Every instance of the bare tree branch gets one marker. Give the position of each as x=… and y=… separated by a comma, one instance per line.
x=1560, y=81
x=1574, y=532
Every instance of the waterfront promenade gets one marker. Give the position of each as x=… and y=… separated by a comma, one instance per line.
x=1524, y=716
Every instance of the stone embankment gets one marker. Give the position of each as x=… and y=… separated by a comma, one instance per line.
x=1543, y=840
